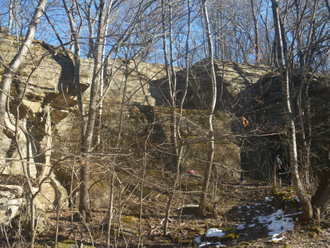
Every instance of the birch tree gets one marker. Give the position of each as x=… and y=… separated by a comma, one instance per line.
x=13, y=66
x=208, y=170
x=292, y=141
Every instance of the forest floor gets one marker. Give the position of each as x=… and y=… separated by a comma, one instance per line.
x=240, y=211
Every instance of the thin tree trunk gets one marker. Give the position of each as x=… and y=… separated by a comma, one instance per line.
x=256, y=32
x=84, y=204
x=187, y=59
x=300, y=190
x=9, y=73
x=208, y=170
x=112, y=188
x=48, y=131
x=171, y=76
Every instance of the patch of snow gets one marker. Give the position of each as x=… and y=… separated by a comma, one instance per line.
x=240, y=226
x=276, y=224
x=214, y=232
x=276, y=238
x=198, y=240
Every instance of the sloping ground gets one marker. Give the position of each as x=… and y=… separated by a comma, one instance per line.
x=241, y=209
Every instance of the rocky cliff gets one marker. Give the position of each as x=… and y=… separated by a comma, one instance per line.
x=48, y=130
x=45, y=93
x=253, y=94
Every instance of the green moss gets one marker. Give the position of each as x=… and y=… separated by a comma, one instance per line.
x=229, y=237
x=69, y=244
x=315, y=229
x=245, y=245
x=283, y=196
x=128, y=219
x=226, y=229
x=312, y=235
x=199, y=230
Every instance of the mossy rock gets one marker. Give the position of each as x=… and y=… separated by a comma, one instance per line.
x=285, y=198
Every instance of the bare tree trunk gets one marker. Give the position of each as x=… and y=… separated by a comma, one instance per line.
x=84, y=204
x=208, y=170
x=256, y=32
x=328, y=5
x=9, y=73
x=300, y=190
x=171, y=76
x=322, y=194
x=112, y=188
x=187, y=59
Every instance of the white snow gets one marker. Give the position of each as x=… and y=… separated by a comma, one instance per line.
x=241, y=226
x=214, y=232
x=276, y=223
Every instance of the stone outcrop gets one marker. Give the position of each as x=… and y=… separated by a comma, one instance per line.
x=45, y=90
x=266, y=114
x=135, y=80
x=254, y=93
x=48, y=107
x=232, y=79
x=46, y=80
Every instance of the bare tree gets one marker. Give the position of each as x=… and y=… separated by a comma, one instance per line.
x=256, y=31
x=172, y=80
x=12, y=68
x=84, y=203
x=208, y=170
x=285, y=71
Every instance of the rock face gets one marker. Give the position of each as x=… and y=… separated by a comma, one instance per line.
x=266, y=114
x=139, y=121
x=135, y=80
x=232, y=79
x=47, y=118
x=46, y=80
x=254, y=93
